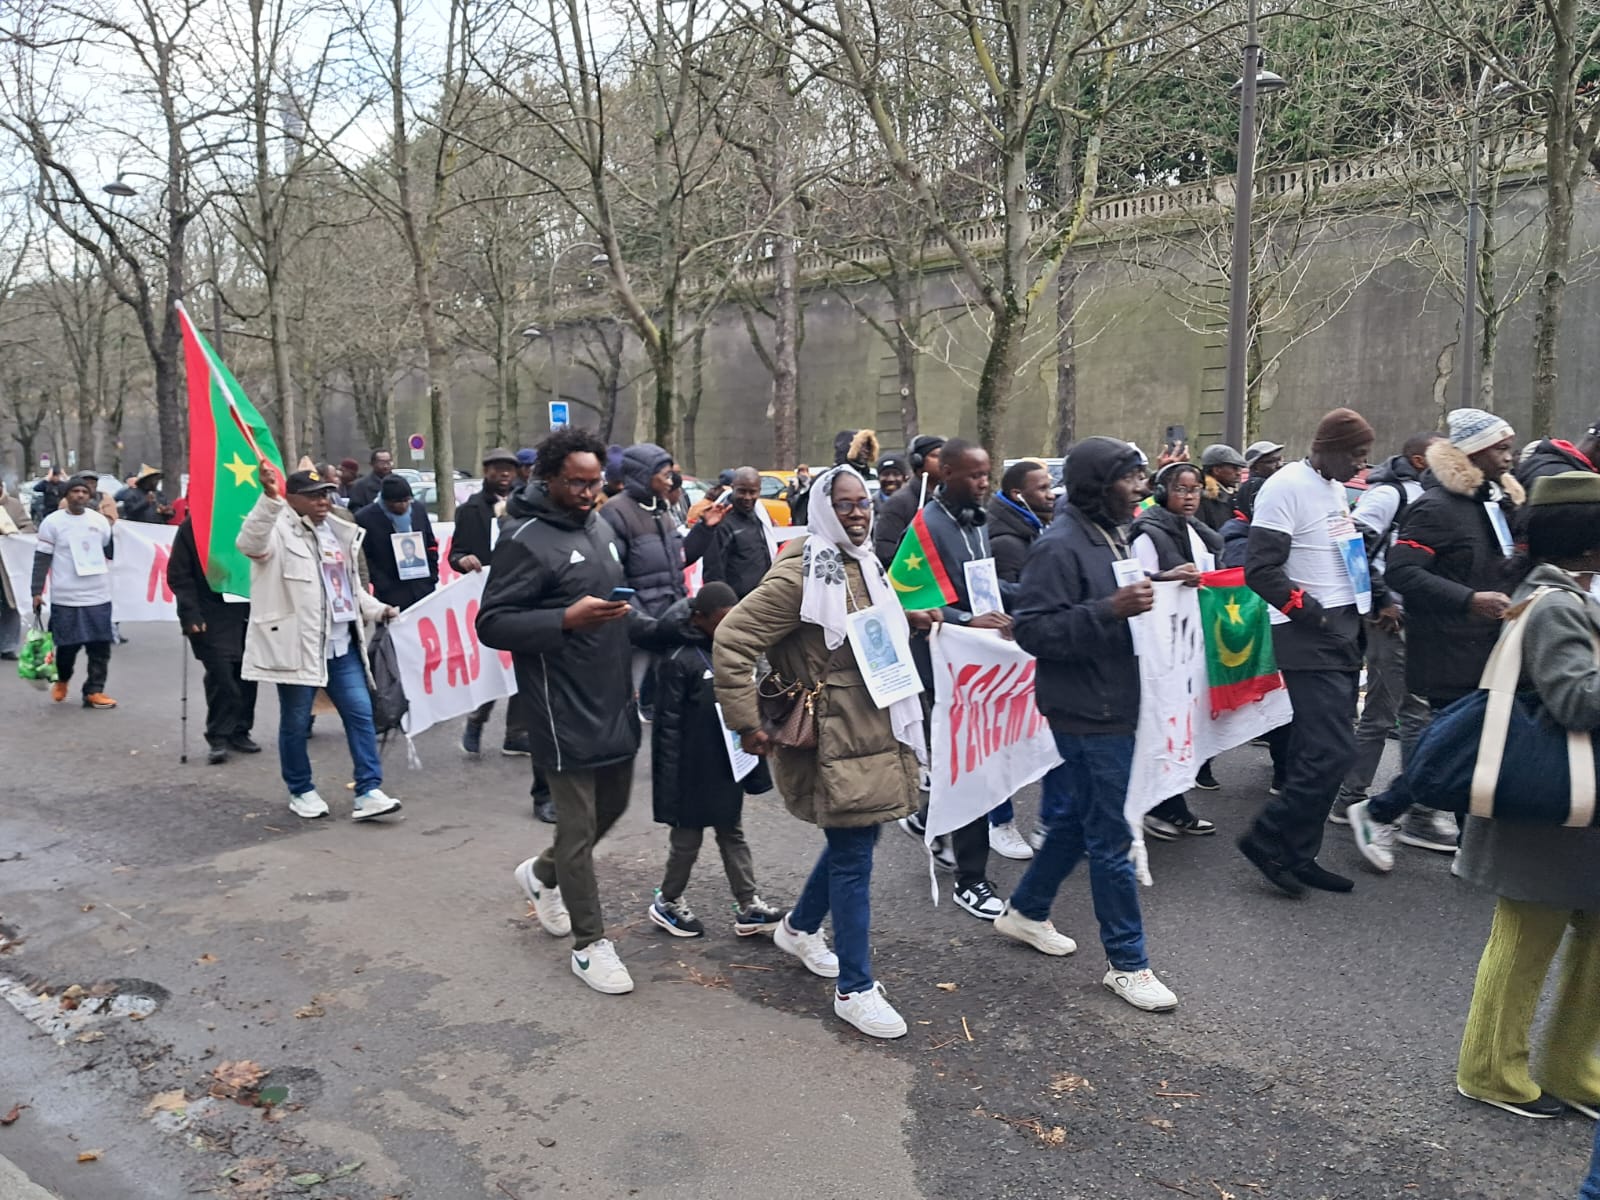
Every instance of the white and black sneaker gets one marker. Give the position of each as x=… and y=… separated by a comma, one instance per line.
x=676, y=917
x=980, y=900
x=1542, y=1107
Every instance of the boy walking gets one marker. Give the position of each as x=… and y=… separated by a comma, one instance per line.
x=692, y=777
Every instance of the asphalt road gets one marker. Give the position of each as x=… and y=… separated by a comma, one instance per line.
x=424, y=1028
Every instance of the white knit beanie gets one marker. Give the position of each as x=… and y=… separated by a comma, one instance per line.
x=1472, y=429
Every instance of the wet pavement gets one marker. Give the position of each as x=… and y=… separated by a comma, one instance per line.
x=422, y=1037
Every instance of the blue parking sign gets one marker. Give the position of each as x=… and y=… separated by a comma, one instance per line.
x=559, y=414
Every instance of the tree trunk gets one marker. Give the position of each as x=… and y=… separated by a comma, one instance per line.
x=999, y=368
x=444, y=451
x=688, y=457
x=785, y=345
x=1066, y=423
x=663, y=358
x=1560, y=131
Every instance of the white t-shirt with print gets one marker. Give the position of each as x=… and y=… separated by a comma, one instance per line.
x=1315, y=514
x=80, y=575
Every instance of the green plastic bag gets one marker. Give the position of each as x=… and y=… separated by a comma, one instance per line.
x=37, y=658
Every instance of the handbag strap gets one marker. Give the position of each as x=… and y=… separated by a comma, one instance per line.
x=1499, y=679
x=1580, y=765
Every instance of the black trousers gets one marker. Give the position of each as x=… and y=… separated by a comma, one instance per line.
x=99, y=654
x=971, y=846
x=230, y=699
x=1321, y=749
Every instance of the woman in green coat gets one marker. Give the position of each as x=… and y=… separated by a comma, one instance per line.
x=864, y=769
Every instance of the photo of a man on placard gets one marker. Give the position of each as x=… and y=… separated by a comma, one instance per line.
x=408, y=558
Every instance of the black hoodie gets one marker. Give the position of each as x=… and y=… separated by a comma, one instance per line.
x=576, y=685
x=692, y=781
x=1549, y=457
x=1088, y=677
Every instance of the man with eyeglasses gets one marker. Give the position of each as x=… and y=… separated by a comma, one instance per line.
x=551, y=601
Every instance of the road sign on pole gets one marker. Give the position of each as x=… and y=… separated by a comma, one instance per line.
x=560, y=414
x=418, y=444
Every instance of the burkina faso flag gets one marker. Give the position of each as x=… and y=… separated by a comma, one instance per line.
x=227, y=441
x=1240, y=665
x=917, y=573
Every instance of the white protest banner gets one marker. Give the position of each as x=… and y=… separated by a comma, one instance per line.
x=139, y=590
x=445, y=671
x=1177, y=729
x=988, y=737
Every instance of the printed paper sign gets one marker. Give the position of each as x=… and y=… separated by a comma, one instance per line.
x=883, y=654
x=739, y=761
x=410, y=556
x=983, y=586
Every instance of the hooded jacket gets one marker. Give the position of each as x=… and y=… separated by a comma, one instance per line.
x=576, y=685
x=1012, y=529
x=381, y=565
x=1168, y=532
x=1216, y=503
x=1088, y=678
x=1447, y=548
x=1550, y=457
x=692, y=784
x=648, y=541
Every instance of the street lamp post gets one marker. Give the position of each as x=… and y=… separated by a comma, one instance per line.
x=1252, y=82
x=1469, y=275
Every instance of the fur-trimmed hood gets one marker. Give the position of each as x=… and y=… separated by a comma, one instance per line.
x=1456, y=473
x=1214, y=488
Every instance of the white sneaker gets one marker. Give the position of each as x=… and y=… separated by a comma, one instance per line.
x=1141, y=989
x=1041, y=935
x=809, y=948
x=870, y=1012
x=547, y=903
x=373, y=804
x=1036, y=838
x=1007, y=841
x=308, y=804
x=1430, y=829
x=597, y=965
x=1373, y=838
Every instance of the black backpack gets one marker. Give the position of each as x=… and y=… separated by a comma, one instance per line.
x=389, y=703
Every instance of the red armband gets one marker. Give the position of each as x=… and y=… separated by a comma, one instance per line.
x=1415, y=545
x=1297, y=599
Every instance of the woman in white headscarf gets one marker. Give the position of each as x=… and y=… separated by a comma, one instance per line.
x=864, y=769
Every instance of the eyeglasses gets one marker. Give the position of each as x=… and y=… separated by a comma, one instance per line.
x=845, y=507
x=579, y=486
x=1185, y=491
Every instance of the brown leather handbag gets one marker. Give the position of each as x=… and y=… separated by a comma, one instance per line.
x=788, y=711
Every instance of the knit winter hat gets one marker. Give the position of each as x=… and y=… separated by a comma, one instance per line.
x=1472, y=429
x=1344, y=430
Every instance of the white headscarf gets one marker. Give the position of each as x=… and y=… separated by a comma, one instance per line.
x=824, y=596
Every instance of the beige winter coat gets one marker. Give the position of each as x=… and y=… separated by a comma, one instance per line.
x=287, y=639
x=859, y=774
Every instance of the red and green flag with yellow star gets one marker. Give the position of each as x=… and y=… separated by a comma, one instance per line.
x=917, y=573
x=227, y=439
x=1240, y=664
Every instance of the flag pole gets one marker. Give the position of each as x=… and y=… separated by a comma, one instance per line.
x=183, y=706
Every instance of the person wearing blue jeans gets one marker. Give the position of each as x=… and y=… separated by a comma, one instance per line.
x=1591, y=1183
x=347, y=688
x=1072, y=614
x=841, y=884
x=308, y=630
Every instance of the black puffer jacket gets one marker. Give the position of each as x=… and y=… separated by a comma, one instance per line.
x=693, y=784
x=1549, y=457
x=1169, y=534
x=1012, y=531
x=1088, y=678
x=1446, y=549
x=647, y=533
x=576, y=685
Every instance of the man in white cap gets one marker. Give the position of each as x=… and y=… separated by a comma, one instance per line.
x=1450, y=562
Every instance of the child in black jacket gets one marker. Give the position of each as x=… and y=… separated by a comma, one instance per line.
x=692, y=778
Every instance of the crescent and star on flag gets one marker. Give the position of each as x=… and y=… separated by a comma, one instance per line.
x=1232, y=659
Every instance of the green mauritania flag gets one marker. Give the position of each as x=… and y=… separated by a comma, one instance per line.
x=1240, y=664
x=917, y=573
x=227, y=441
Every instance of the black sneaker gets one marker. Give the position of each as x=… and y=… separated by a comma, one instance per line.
x=1314, y=875
x=1275, y=788
x=914, y=826
x=1193, y=826
x=980, y=900
x=216, y=756
x=244, y=744
x=1541, y=1108
x=944, y=854
x=472, y=737
x=516, y=746
x=1206, y=781
x=676, y=917
x=1278, y=875
x=544, y=809
x=756, y=917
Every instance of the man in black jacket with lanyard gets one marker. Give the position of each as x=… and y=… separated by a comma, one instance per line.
x=548, y=601
x=1306, y=559
x=955, y=521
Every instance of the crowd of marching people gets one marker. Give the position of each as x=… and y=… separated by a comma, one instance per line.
x=1392, y=587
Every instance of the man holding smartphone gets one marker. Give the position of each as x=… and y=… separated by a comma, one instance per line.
x=556, y=599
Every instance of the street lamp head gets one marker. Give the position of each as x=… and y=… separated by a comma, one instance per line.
x=600, y=260
x=119, y=187
x=532, y=331
x=1267, y=84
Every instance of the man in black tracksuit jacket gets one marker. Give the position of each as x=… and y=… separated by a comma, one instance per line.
x=1072, y=615
x=1294, y=562
x=955, y=521
x=547, y=602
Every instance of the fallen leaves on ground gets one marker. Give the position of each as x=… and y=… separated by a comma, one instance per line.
x=86, y=908
x=306, y=1179
x=1049, y=1135
x=307, y=1011
x=205, y=960
x=90, y=1155
x=1066, y=1084
x=173, y=1101
x=93, y=1035
x=1160, y=1123
x=946, y=987
x=241, y=1075
x=16, y=1111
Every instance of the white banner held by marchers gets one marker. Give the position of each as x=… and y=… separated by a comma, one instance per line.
x=444, y=669
x=989, y=740
x=1176, y=730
